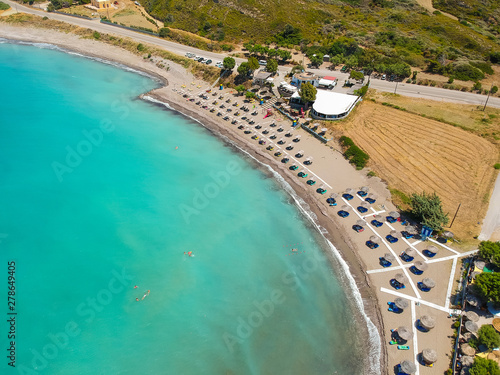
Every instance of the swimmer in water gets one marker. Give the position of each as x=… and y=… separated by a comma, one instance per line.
x=137, y=299
x=135, y=287
x=145, y=295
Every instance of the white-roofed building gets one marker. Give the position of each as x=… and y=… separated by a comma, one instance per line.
x=327, y=82
x=329, y=105
x=332, y=105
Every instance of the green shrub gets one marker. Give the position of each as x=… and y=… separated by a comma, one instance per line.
x=484, y=66
x=164, y=32
x=356, y=156
x=464, y=72
x=371, y=174
x=96, y=35
x=346, y=141
x=497, y=166
x=140, y=47
x=488, y=336
x=494, y=89
x=477, y=86
x=4, y=6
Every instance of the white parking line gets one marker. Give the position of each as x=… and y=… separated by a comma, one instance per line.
x=446, y=247
x=450, y=282
x=423, y=302
x=415, y=342
x=390, y=249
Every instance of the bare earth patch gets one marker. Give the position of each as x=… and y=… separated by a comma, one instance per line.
x=415, y=154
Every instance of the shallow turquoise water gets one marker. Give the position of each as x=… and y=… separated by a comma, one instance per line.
x=95, y=199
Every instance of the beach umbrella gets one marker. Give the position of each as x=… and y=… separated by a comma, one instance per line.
x=473, y=300
x=479, y=264
x=410, y=229
x=365, y=204
x=377, y=217
x=395, y=233
x=394, y=214
x=389, y=257
x=467, y=349
x=300, y=152
x=408, y=367
x=428, y=283
x=496, y=324
x=448, y=234
x=364, y=189
x=472, y=316
x=309, y=158
x=400, y=278
x=421, y=266
x=474, y=274
x=345, y=207
x=467, y=360
x=349, y=191
x=298, y=136
x=427, y=321
x=334, y=195
x=410, y=252
x=372, y=196
x=432, y=249
x=360, y=222
x=323, y=130
x=405, y=333
x=429, y=355
x=471, y=326
x=374, y=239
x=401, y=302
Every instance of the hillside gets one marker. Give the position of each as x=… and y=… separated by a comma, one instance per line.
x=399, y=30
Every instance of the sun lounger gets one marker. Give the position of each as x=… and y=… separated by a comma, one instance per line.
x=376, y=223
x=403, y=347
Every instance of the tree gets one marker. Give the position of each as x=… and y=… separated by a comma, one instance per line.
x=284, y=55
x=428, y=210
x=243, y=69
x=483, y=366
x=316, y=60
x=272, y=66
x=228, y=63
x=164, y=31
x=253, y=63
x=362, y=91
x=307, y=93
x=490, y=252
x=250, y=95
x=494, y=89
x=488, y=285
x=358, y=76
x=240, y=89
x=488, y=336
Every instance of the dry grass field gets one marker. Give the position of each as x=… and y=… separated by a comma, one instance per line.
x=414, y=154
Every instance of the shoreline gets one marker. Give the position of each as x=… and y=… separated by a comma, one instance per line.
x=334, y=232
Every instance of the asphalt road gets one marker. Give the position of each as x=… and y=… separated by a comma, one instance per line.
x=401, y=88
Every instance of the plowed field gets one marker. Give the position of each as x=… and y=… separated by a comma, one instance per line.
x=415, y=154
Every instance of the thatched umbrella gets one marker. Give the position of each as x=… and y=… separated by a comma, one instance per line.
x=365, y=205
x=389, y=257
x=479, y=264
x=496, y=324
x=432, y=249
x=395, y=234
x=360, y=222
x=364, y=189
x=374, y=239
x=411, y=252
x=467, y=349
x=427, y=321
x=401, y=303
x=345, y=207
x=349, y=191
x=472, y=316
x=429, y=356
x=411, y=229
x=472, y=300
x=377, y=217
x=400, y=278
x=428, y=283
x=408, y=367
x=474, y=274
x=372, y=196
x=334, y=195
x=405, y=333
x=421, y=266
x=394, y=214
x=467, y=360
x=471, y=326
x=448, y=234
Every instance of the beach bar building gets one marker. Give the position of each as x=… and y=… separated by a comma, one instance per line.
x=101, y=4
x=328, y=105
x=304, y=77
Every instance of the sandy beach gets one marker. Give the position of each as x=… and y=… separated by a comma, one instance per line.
x=334, y=173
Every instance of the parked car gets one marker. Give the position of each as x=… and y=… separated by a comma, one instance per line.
x=208, y=62
x=263, y=62
x=384, y=76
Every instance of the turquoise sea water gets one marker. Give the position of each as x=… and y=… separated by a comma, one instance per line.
x=96, y=199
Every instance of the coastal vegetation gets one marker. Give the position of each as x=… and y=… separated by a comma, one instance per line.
x=4, y=6
x=428, y=210
x=353, y=153
x=487, y=336
x=488, y=285
x=490, y=252
x=483, y=366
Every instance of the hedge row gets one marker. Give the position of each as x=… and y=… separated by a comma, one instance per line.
x=353, y=153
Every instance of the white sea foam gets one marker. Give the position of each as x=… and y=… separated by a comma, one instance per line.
x=375, y=349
